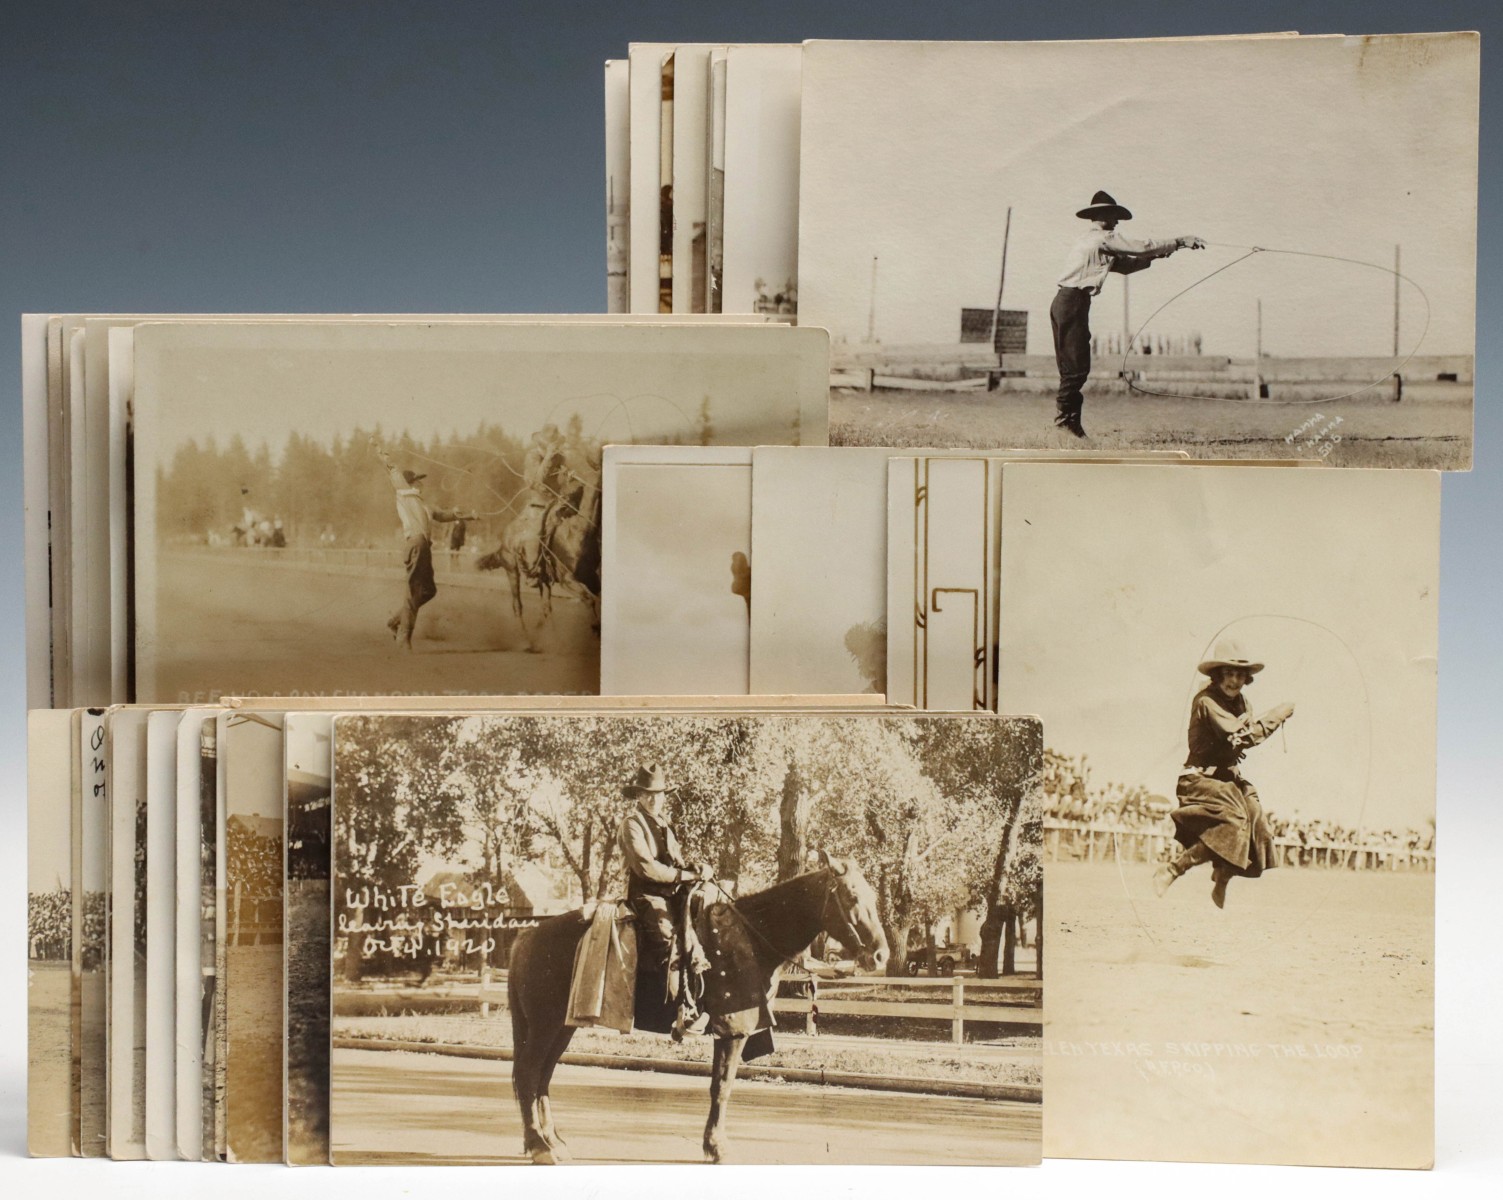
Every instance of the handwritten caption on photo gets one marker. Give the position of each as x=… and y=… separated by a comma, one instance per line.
x=1178, y=1060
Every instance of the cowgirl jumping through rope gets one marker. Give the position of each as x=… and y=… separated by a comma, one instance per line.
x=1220, y=819
x=1100, y=252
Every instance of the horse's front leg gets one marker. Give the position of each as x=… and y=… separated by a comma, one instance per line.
x=722, y=1077
x=514, y=577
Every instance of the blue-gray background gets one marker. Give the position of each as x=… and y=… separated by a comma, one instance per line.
x=446, y=155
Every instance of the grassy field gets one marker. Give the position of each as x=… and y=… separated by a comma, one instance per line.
x=253, y=1074
x=308, y=1021
x=1432, y=432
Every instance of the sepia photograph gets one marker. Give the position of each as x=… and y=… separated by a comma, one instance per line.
x=91, y=913
x=568, y=937
x=676, y=600
x=125, y=735
x=51, y=1126
x=250, y=749
x=369, y=509
x=1259, y=247
x=1239, y=783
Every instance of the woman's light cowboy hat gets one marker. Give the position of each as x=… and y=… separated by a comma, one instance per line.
x=1103, y=208
x=1229, y=654
x=650, y=779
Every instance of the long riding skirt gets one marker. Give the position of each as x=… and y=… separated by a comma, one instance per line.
x=1226, y=817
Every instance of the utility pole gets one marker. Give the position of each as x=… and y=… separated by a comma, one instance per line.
x=1001, y=283
x=871, y=312
x=1396, y=282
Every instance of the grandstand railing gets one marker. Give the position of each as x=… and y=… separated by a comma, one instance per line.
x=1074, y=841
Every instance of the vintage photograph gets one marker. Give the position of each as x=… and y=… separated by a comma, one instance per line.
x=1174, y=254
x=414, y=509
x=125, y=733
x=568, y=937
x=819, y=539
x=251, y=751
x=677, y=580
x=193, y=1002
x=51, y=1126
x=1239, y=777
x=308, y=747
x=91, y=866
x=760, y=206
x=161, y=934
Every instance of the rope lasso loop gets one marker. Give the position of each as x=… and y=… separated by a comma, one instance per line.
x=1133, y=386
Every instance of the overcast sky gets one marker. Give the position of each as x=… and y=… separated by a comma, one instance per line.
x=913, y=153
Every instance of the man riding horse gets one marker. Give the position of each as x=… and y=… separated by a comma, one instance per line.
x=658, y=882
x=545, y=473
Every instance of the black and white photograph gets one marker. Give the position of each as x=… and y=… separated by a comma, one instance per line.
x=1257, y=247
x=1239, y=782
x=568, y=937
x=412, y=509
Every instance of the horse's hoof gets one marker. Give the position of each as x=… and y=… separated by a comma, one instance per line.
x=714, y=1153
x=544, y=1157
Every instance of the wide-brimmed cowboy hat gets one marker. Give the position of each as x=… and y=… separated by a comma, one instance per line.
x=412, y=476
x=650, y=778
x=1103, y=208
x=1229, y=654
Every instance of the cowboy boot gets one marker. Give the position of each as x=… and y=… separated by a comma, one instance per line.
x=1220, y=877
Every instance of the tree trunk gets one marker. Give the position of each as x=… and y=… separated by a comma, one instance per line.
x=996, y=910
x=793, y=817
x=1010, y=943
x=1038, y=937
x=897, y=947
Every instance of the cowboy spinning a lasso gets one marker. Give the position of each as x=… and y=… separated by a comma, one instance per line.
x=1098, y=253
x=1220, y=819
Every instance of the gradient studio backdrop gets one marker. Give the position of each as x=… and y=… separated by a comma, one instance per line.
x=446, y=155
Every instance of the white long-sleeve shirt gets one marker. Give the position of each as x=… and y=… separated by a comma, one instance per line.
x=1090, y=259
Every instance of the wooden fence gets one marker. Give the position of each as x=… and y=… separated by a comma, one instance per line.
x=1021, y=1001
x=1066, y=841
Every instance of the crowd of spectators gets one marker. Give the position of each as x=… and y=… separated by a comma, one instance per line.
x=1072, y=799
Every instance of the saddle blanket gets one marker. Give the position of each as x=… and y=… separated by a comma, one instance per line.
x=602, y=987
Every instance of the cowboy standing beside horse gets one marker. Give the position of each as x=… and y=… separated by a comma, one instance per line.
x=1101, y=251
x=417, y=527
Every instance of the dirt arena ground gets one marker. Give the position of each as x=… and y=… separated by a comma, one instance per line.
x=253, y=1087
x=1432, y=430
x=1295, y=1026
x=248, y=624
x=49, y=1069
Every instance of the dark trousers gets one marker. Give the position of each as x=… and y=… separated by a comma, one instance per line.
x=658, y=919
x=420, y=585
x=1070, y=318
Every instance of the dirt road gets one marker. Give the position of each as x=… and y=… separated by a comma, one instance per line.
x=391, y=1106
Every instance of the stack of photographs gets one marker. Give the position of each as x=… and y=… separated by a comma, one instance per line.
x=948, y=213
x=448, y=731
x=390, y=897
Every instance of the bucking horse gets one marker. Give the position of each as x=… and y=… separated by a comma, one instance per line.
x=554, y=546
x=779, y=925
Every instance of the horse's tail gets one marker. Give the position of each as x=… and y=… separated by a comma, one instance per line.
x=514, y=1002
x=494, y=561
